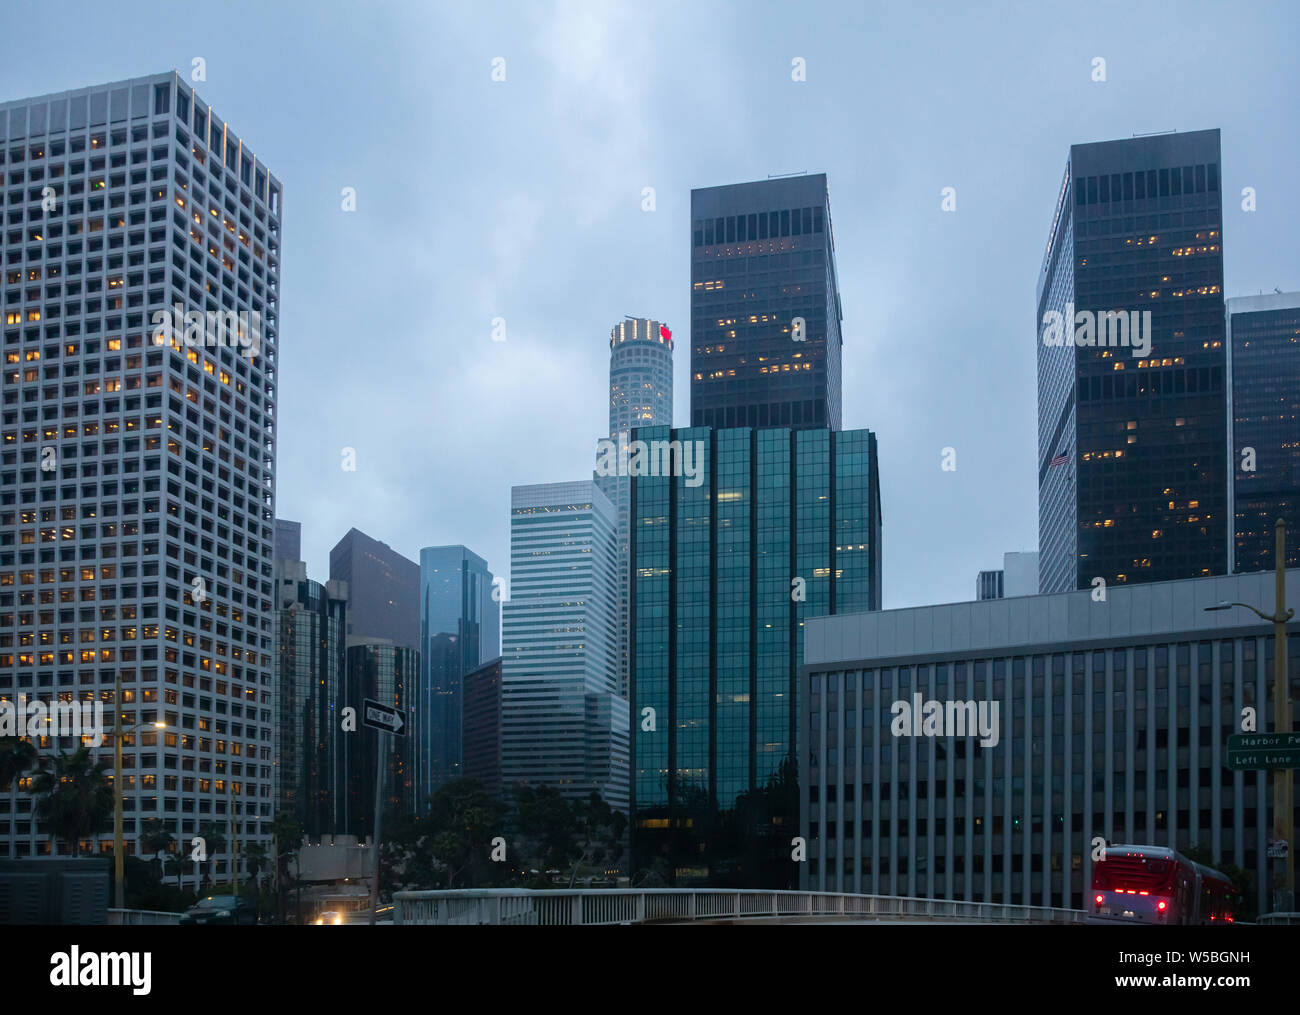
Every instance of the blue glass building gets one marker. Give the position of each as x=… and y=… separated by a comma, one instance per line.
x=460, y=628
x=777, y=526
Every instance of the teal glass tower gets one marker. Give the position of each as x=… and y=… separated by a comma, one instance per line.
x=775, y=526
x=460, y=628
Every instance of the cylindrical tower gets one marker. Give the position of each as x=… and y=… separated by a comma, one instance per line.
x=640, y=375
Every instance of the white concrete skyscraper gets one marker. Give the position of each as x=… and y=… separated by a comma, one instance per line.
x=564, y=724
x=140, y=262
x=640, y=394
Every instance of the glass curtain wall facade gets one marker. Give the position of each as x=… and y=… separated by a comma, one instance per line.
x=310, y=665
x=1264, y=452
x=387, y=673
x=483, y=726
x=784, y=525
x=459, y=628
x=137, y=470
x=384, y=587
x=288, y=540
x=762, y=255
x=1131, y=475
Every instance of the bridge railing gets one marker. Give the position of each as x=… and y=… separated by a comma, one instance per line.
x=595, y=907
x=141, y=917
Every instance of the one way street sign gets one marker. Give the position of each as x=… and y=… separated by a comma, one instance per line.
x=381, y=717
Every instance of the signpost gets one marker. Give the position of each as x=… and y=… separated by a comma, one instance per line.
x=1279, y=751
x=382, y=719
x=1278, y=849
x=1263, y=751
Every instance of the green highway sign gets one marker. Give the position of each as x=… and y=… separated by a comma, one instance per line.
x=1254, y=741
x=1268, y=756
x=1247, y=751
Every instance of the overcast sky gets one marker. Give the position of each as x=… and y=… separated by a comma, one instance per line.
x=522, y=199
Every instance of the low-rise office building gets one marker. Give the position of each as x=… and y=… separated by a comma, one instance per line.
x=1111, y=721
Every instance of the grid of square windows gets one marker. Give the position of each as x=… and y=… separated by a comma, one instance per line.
x=136, y=469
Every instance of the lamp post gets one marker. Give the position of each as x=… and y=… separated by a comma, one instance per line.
x=1283, y=778
x=119, y=849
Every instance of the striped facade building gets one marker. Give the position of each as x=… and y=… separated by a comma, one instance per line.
x=1113, y=718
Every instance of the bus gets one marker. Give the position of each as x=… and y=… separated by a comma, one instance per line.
x=1158, y=885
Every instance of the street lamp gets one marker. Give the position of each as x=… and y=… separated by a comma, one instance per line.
x=119, y=848
x=1283, y=778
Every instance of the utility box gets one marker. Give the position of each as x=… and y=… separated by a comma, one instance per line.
x=55, y=890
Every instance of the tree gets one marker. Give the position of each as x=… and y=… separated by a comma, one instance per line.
x=287, y=834
x=74, y=797
x=174, y=866
x=600, y=831
x=450, y=845
x=214, y=840
x=16, y=757
x=548, y=824
x=257, y=857
x=156, y=839
x=406, y=854
x=146, y=890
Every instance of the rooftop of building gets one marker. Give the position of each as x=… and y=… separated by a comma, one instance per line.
x=1169, y=609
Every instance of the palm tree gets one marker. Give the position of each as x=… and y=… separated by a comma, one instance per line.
x=74, y=797
x=16, y=757
x=256, y=855
x=287, y=834
x=176, y=865
x=214, y=839
x=155, y=838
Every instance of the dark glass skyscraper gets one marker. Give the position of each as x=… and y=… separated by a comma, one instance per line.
x=762, y=256
x=288, y=540
x=1264, y=456
x=310, y=622
x=481, y=752
x=387, y=673
x=779, y=525
x=1132, y=427
x=383, y=588
x=460, y=627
